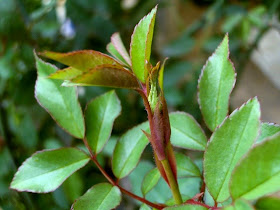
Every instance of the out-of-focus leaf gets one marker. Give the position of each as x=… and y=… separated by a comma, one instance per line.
x=185, y=166
x=109, y=76
x=61, y=102
x=231, y=22
x=101, y=196
x=227, y=145
x=150, y=180
x=268, y=203
x=144, y=207
x=42, y=172
x=240, y=205
x=186, y=207
x=186, y=132
x=258, y=173
x=140, y=46
x=179, y=47
x=128, y=150
x=73, y=187
x=267, y=130
x=99, y=117
x=215, y=85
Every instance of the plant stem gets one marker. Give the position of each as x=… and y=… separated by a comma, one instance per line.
x=172, y=182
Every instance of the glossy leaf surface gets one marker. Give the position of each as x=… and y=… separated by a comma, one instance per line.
x=128, y=150
x=185, y=166
x=216, y=82
x=258, y=173
x=101, y=196
x=186, y=132
x=46, y=170
x=267, y=130
x=61, y=102
x=100, y=115
x=227, y=145
x=140, y=46
x=150, y=180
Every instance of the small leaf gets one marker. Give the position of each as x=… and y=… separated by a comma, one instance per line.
x=144, y=207
x=119, y=46
x=186, y=132
x=99, y=116
x=101, y=196
x=61, y=102
x=66, y=74
x=150, y=180
x=46, y=170
x=128, y=150
x=171, y=202
x=82, y=60
x=216, y=82
x=113, y=51
x=227, y=145
x=258, y=173
x=267, y=130
x=140, y=46
x=268, y=203
x=160, y=75
x=186, y=207
x=109, y=76
x=185, y=166
x=240, y=205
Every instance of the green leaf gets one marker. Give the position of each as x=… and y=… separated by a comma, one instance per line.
x=109, y=76
x=185, y=166
x=66, y=74
x=144, y=207
x=140, y=46
x=82, y=60
x=150, y=180
x=240, y=205
x=119, y=46
x=267, y=130
x=258, y=173
x=215, y=84
x=60, y=102
x=186, y=132
x=268, y=203
x=101, y=196
x=186, y=207
x=230, y=141
x=171, y=202
x=113, y=51
x=128, y=150
x=100, y=115
x=46, y=170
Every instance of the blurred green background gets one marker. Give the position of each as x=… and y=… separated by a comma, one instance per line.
x=186, y=31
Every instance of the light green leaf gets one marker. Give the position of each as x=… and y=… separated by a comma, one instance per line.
x=66, y=74
x=268, y=203
x=240, y=205
x=144, y=207
x=119, y=46
x=171, y=202
x=215, y=84
x=140, y=46
x=61, y=102
x=185, y=166
x=128, y=150
x=113, y=51
x=227, y=145
x=109, y=76
x=101, y=196
x=99, y=116
x=150, y=180
x=82, y=60
x=186, y=132
x=258, y=173
x=267, y=130
x=186, y=207
x=46, y=170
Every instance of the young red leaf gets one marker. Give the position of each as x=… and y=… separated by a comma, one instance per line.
x=119, y=46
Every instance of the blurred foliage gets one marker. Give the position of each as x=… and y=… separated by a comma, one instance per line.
x=61, y=25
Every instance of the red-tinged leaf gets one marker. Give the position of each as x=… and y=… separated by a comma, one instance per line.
x=66, y=74
x=109, y=76
x=119, y=46
x=160, y=168
x=171, y=159
x=113, y=51
x=83, y=60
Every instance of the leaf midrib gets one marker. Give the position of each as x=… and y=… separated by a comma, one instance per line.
x=105, y=198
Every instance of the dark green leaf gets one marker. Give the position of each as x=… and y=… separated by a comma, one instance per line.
x=99, y=116
x=46, y=170
x=150, y=180
x=258, y=173
x=101, y=196
x=185, y=166
x=227, y=145
x=128, y=150
x=186, y=132
x=61, y=102
x=215, y=84
x=267, y=130
x=140, y=46
x=268, y=203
